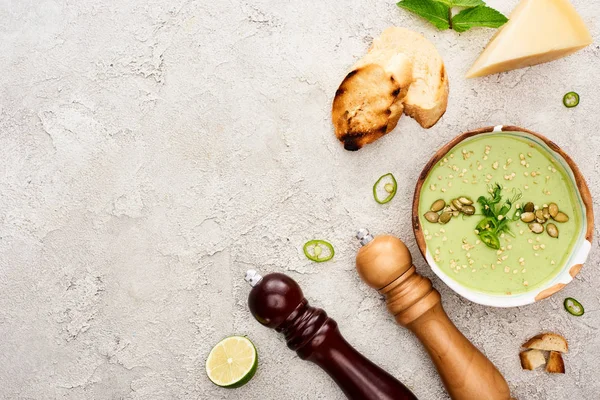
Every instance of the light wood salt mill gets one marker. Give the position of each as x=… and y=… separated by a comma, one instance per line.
x=384, y=263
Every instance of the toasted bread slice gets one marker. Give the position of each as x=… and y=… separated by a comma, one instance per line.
x=427, y=97
x=555, y=363
x=549, y=342
x=367, y=105
x=531, y=359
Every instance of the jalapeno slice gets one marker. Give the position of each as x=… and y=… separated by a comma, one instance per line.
x=316, y=246
x=571, y=100
x=573, y=307
x=389, y=187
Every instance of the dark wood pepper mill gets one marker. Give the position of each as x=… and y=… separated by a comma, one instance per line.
x=277, y=302
x=385, y=264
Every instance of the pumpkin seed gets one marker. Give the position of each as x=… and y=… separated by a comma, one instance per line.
x=527, y=217
x=529, y=207
x=457, y=204
x=539, y=216
x=465, y=200
x=561, y=217
x=432, y=216
x=552, y=230
x=546, y=212
x=536, y=227
x=438, y=205
x=468, y=210
x=445, y=217
x=553, y=209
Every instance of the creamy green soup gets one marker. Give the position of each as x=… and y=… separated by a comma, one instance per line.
x=524, y=260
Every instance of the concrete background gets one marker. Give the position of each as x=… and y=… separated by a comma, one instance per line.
x=153, y=150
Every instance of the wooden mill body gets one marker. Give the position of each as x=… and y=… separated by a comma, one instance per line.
x=384, y=263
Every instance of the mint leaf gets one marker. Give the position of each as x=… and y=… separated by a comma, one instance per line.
x=478, y=16
x=462, y=3
x=432, y=11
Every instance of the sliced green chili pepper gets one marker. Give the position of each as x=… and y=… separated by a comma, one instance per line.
x=390, y=188
x=317, y=250
x=571, y=100
x=490, y=239
x=573, y=307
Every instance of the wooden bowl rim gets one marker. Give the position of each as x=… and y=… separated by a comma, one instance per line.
x=582, y=186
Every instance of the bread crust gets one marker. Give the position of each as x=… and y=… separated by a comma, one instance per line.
x=401, y=73
x=549, y=342
x=366, y=106
x=555, y=363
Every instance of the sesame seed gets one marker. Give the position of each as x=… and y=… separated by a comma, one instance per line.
x=525, y=283
x=523, y=270
x=509, y=246
x=507, y=269
x=515, y=271
x=432, y=187
x=495, y=165
x=443, y=190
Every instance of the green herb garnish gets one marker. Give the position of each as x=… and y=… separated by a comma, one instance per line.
x=474, y=13
x=496, y=219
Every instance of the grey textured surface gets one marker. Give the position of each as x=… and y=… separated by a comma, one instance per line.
x=152, y=151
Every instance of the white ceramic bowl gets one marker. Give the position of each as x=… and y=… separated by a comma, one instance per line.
x=575, y=260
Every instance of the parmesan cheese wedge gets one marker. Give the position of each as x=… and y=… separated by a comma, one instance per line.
x=538, y=31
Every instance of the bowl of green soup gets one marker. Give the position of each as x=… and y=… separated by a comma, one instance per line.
x=503, y=216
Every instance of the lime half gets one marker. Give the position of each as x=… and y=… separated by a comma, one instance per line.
x=232, y=362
